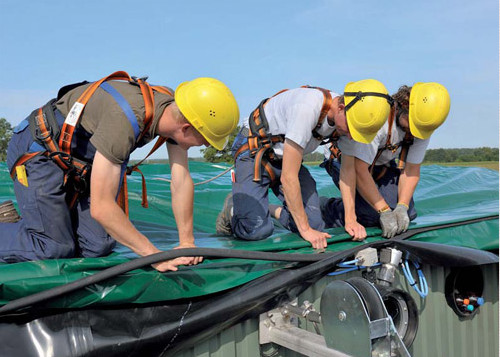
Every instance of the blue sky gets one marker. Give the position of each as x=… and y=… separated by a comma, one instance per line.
x=259, y=47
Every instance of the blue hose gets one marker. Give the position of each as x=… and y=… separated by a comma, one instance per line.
x=423, y=289
x=348, y=267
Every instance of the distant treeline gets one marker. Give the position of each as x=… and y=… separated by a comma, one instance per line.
x=461, y=155
x=314, y=157
x=432, y=155
x=440, y=155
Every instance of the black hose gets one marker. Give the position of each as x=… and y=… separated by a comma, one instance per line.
x=205, y=252
x=156, y=258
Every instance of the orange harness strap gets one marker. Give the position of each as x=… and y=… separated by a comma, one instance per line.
x=407, y=142
x=405, y=146
x=21, y=160
x=123, y=194
x=45, y=134
x=75, y=113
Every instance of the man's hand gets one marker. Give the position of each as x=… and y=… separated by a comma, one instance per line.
x=388, y=223
x=401, y=213
x=192, y=260
x=355, y=230
x=316, y=238
x=172, y=264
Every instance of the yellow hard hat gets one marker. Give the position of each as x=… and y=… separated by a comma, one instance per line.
x=367, y=106
x=210, y=108
x=429, y=107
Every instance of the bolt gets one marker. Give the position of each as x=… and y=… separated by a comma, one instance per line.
x=342, y=316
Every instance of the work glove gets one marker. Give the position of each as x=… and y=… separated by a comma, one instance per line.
x=388, y=223
x=401, y=213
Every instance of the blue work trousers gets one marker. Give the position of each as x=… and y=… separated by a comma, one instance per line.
x=48, y=228
x=251, y=218
x=333, y=209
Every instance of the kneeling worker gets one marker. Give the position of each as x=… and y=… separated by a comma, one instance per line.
x=270, y=148
x=385, y=187
x=69, y=157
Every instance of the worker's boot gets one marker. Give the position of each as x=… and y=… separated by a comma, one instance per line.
x=8, y=213
x=223, y=222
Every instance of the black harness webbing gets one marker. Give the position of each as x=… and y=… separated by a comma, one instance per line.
x=260, y=142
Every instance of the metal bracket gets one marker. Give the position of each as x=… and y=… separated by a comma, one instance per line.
x=380, y=328
x=279, y=327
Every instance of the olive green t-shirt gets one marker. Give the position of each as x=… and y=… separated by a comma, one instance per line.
x=111, y=132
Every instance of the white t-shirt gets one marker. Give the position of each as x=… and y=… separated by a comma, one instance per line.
x=367, y=152
x=295, y=114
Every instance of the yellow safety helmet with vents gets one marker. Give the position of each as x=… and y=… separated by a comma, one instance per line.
x=429, y=107
x=367, y=106
x=210, y=108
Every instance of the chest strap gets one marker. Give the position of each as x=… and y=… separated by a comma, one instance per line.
x=260, y=142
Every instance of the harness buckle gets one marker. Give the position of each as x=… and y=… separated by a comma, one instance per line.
x=66, y=158
x=38, y=133
x=266, y=141
x=393, y=148
x=137, y=79
x=80, y=181
x=44, y=137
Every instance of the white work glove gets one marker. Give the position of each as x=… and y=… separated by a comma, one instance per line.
x=401, y=212
x=388, y=223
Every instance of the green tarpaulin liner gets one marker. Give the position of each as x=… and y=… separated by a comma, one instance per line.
x=444, y=194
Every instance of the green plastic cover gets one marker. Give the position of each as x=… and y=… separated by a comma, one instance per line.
x=444, y=195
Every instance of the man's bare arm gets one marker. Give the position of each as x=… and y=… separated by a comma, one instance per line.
x=105, y=181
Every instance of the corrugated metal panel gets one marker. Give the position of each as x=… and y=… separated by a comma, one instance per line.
x=441, y=332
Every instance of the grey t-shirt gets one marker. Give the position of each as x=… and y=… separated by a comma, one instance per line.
x=368, y=152
x=111, y=132
x=295, y=114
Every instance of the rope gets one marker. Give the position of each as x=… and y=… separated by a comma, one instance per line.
x=199, y=183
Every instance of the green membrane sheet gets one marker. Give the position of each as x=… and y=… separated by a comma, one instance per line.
x=444, y=195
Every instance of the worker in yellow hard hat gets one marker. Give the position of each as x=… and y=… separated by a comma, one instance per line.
x=387, y=170
x=269, y=151
x=68, y=159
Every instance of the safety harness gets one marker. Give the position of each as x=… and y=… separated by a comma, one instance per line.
x=57, y=138
x=404, y=145
x=260, y=141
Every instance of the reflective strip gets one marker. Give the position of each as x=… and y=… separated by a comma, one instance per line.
x=122, y=102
